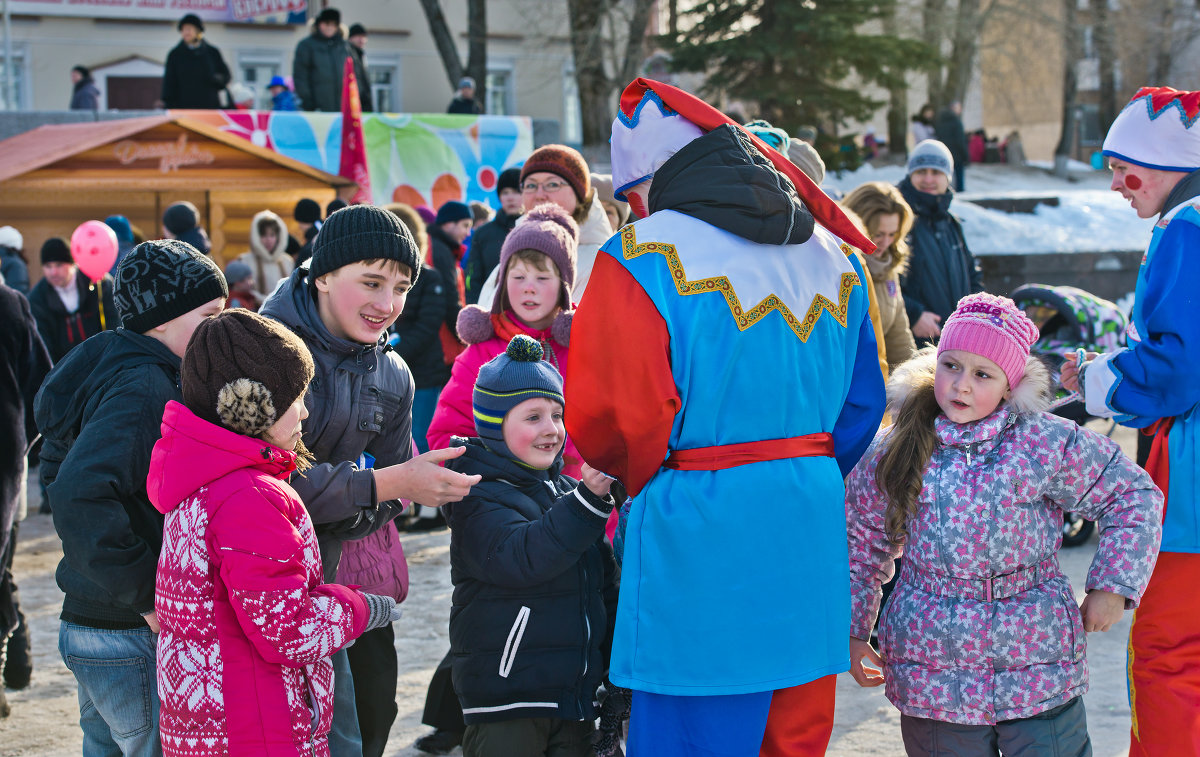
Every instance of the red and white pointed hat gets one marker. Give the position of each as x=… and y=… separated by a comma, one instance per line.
x=1158, y=129
x=656, y=120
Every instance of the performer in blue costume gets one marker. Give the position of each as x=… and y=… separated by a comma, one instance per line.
x=1153, y=149
x=724, y=367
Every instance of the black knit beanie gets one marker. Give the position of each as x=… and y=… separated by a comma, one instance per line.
x=243, y=371
x=181, y=217
x=510, y=178
x=362, y=232
x=56, y=250
x=307, y=211
x=161, y=280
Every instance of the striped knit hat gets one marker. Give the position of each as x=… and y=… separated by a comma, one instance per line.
x=507, y=380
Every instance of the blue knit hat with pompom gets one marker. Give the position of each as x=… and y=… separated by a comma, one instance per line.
x=507, y=380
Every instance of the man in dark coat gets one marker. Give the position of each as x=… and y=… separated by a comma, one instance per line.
x=319, y=64
x=464, y=99
x=358, y=47
x=195, y=73
x=65, y=304
x=948, y=128
x=84, y=95
x=23, y=364
x=941, y=268
x=489, y=238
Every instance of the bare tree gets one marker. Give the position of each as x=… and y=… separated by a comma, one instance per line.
x=897, y=114
x=1106, y=53
x=476, y=66
x=595, y=26
x=1072, y=53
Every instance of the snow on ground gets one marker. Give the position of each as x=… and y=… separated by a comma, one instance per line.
x=1089, y=217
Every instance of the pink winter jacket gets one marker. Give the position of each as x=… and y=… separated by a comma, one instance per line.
x=965, y=650
x=487, y=338
x=247, y=626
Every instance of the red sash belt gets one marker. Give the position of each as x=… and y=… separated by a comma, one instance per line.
x=731, y=455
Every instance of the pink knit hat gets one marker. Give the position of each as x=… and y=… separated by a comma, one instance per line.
x=993, y=327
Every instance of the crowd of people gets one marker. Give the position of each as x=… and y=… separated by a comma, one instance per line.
x=578, y=385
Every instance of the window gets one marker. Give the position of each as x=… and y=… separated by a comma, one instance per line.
x=255, y=70
x=384, y=74
x=500, y=91
x=572, y=131
x=20, y=87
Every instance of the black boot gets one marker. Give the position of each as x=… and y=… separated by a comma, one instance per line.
x=18, y=668
x=439, y=742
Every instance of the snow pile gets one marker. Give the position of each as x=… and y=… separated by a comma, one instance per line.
x=1089, y=217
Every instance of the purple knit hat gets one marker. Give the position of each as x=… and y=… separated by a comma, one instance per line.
x=547, y=229
x=993, y=327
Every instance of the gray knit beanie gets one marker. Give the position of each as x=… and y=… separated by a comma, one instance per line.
x=931, y=153
x=507, y=380
x=160, y=280
x=362, y=232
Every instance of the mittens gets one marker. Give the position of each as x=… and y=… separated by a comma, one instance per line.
x=383, y=610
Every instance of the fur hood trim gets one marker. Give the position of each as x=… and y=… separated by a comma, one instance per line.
x=1033, y=395
x=281, y=239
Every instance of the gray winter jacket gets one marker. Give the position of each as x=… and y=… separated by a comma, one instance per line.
x=317, y=69
x=360, y=400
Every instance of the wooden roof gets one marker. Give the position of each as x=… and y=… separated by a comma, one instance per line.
x=75, y=155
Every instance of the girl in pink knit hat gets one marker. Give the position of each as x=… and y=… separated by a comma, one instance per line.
x=981, y=642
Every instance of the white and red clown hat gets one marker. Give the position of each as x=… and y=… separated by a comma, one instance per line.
x=656, y=120
x=1158, y=129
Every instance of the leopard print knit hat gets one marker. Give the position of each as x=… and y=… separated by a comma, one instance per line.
x=243, y=371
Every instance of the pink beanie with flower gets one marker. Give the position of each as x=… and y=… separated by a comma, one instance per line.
x=993, y=327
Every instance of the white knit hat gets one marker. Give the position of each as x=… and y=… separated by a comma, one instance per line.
x=1157, y=129
x=930, y=153
x=11, y=238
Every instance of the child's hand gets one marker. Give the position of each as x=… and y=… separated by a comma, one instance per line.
x=1069, y=376
x=596, y=482
x=866, y=677
x=1100, y=609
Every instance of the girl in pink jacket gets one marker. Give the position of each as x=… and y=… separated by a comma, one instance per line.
x=537, y=271
x=982, y=642
x=248, y=626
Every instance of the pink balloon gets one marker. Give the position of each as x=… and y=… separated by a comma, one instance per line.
x=94, y=247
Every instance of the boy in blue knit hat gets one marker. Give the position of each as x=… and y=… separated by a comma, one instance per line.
x=534, y=578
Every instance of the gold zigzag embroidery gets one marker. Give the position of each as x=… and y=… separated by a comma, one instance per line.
x=746, y=318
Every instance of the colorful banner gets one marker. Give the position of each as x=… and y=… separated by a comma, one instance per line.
x=353, y=165
x=419, y=159
x=240, y=11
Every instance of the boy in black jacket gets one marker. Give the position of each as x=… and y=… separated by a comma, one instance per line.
x=534, y=578
x=100, y=411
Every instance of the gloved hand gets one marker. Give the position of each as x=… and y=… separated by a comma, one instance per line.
x=614, y=711
x=383, y=611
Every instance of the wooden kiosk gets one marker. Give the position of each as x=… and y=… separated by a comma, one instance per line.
x=54, y=178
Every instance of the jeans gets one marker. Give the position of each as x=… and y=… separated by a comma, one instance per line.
x=118, y=688
x=345, y=740
x=424, y=403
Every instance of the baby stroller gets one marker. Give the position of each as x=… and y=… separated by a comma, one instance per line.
x=1070, y=318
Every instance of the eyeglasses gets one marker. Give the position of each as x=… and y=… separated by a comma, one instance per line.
x=549, y=187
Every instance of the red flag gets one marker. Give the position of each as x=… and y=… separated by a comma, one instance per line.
x=354, y=149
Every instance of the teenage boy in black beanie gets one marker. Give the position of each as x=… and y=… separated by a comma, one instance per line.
x=360, y=402
x=99, y=411
x=489, y=238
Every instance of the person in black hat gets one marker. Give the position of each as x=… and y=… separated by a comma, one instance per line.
x=65, y=304
x=464, y=98
x=489, y=238
x=307, y=215
x=195, y=74
x=358, y=46
x=84, y=95
x=319, y=63
x=99, y=412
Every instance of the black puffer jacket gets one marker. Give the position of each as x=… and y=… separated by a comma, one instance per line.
x=317, y=69
x=535, y=591
x=61, y=330
x=360, y=400
x=758, y=202
x=100, y=412
x=941, y=270
x=485, y=253
x=194, y=77
x=442, y=253
x=418, y=327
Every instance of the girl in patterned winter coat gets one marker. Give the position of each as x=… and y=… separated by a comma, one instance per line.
x=248, y=625
x=982, y=642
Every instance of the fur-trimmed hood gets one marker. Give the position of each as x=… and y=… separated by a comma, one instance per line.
x=1033, y=395
x=281, y=240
